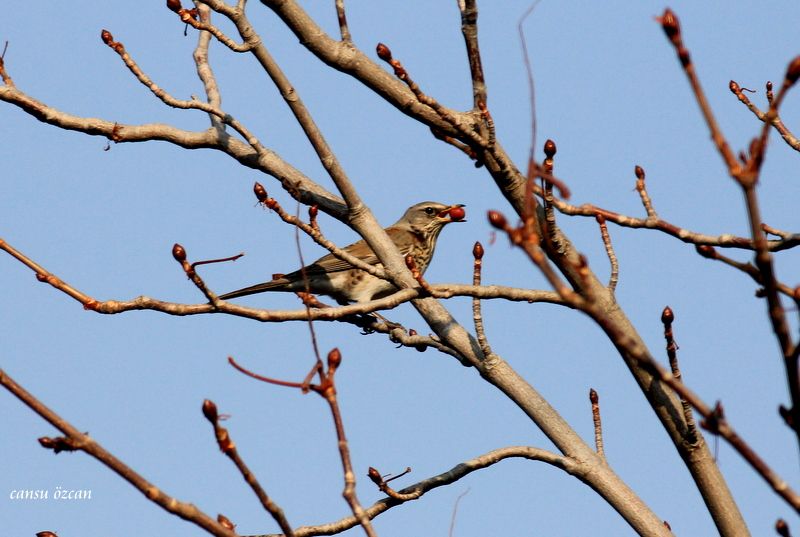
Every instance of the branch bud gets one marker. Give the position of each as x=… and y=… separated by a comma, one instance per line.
x=178, y=253
x=667, y=316
x=334, y=358
x=639, y=171
x=260, y=191
x=477, y=251
x=225, y=522
x=375, y=476
x=734, y=87
x=669, y=22
x=383, y=52
x=174, y=5
x=550, y=148
x=593, y=397
x=706, y=251
x=793, y=71
x=106, y=36
x=210, y=411
x=46, y=534
x=497, y=220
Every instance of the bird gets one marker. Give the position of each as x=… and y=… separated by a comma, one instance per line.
x=414, y=234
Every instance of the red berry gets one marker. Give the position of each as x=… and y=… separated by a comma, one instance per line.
x=457, y=213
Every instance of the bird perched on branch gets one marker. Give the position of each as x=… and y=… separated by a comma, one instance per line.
x=414, y=234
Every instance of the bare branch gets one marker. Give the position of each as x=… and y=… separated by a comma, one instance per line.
x=785, y=133
x=228, y=447
x=457, y=472
x=469, y=28
x=76, y=440
x=598, y=425
x=612, y=257
x=342, y=17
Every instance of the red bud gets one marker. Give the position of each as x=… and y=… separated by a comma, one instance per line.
x=477, y=251
x=210, y=411
x=593, y=397
x=793, y=71
x=550, y=148
x=383, y=52
x=497, y=220
x=334, y=358
x=260, y=191
x=669, y=22
x=667, y=316
x=225, y=522
x=174, y=5
x=375, y=476
x=706, y=251
x=178, y=253
x=106, y=36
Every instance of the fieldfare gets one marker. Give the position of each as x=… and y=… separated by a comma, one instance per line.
x=414, y=234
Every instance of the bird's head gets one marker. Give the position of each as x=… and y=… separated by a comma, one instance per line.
x=430, y=215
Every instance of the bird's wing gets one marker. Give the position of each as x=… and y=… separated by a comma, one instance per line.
x=331, y=263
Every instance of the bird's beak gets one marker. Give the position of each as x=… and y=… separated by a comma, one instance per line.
x=456, y=213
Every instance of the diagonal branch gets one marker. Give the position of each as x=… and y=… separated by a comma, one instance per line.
x=78, y=441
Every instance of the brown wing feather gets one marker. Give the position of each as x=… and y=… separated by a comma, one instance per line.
x=331, y=263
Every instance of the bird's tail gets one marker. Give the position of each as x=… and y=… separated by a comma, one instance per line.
x=278, y=284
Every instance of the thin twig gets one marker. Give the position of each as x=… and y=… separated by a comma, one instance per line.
x=446, y=478
x=667, y=318
x=785, y=133
x=455, y=512
x=477, y=316
x=469, y=135
x=612, y=256
x=189, y=16
x=76, y=440
x=228, y=447
x=340, y=15
x=716, y=423
x=669, y=22
x=469, y=29
x=709, y=252
x=641, y=188
x=315, y=233
x=3, y=73
x=598, y=425
x=688, y=236
x=327, y=390
x=529, y=73
x=204, y=71
x=307, y=283
x=179, y=253
x=169, y=100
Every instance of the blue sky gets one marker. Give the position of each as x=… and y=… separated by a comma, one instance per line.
x=609, y=92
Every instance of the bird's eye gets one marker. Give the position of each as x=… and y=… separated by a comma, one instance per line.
x=429, y=210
